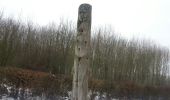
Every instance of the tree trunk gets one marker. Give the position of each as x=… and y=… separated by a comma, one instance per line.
x=82, y=47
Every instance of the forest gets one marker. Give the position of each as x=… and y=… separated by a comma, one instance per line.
x=41, y=58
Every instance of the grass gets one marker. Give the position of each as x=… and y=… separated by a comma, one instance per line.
x=46, y=82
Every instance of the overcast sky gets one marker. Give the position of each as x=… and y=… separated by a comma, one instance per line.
x=132, y=18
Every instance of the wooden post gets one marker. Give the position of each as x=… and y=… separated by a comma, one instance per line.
x=82, y=48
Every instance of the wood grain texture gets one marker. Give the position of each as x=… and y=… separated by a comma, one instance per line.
x=82, y=48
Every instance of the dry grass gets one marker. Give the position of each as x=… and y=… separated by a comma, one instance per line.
x=47, y=82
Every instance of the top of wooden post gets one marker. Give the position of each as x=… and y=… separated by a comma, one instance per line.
x=85, y=7
x=85, y=12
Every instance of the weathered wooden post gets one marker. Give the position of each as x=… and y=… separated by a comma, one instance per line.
x=82, y=48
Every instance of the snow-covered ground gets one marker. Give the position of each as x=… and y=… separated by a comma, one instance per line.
x=10, y=93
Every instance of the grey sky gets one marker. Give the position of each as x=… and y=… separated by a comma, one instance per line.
x=132, y=18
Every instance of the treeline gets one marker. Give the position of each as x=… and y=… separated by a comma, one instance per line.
x=51, y=49
x=118, y=59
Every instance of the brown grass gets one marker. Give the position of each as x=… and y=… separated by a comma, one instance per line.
x=34, y=79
